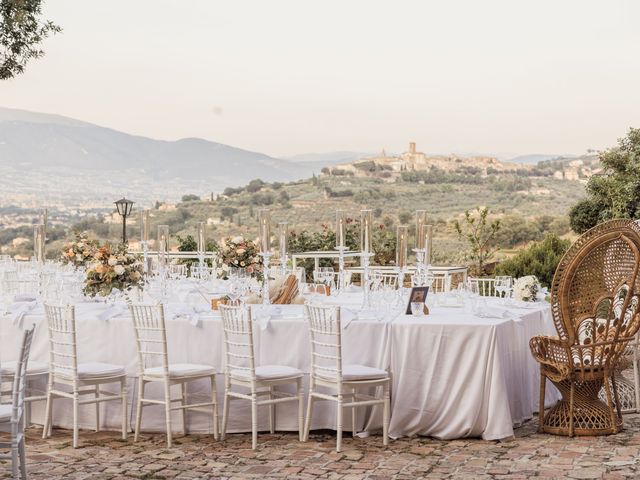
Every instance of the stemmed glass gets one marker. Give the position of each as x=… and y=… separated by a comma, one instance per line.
x=503, y=286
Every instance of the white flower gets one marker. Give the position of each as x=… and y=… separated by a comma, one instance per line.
x=112, y=261
x=526, y=288
x=240, y=251
x=119, y=269
x=237, y=239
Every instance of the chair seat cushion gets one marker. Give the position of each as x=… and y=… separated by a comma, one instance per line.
x=93, y=370
x=5, y=413
x=33, y=368
x=269, y=372
x=182, y=370
x=357, y=372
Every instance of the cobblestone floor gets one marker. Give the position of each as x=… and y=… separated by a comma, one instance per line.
x=104, y=456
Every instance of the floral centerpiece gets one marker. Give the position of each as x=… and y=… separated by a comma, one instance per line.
x=240, y=253
x=80, y=252
x=112, y=268
x=526, y=288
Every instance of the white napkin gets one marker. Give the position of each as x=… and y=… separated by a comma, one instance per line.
x=19, y=310
x=192, y=313
x=24, y=297
x=113, y=311
x=483, y=310
x=264, y=313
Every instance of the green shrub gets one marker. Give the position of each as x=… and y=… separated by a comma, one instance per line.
x=540, y=259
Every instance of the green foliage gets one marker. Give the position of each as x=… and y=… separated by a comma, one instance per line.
x=190, y=198
x=616, y=193
x=540, y=259
x=515, y=230
x=479, y=234
x=255, y=185
x=230, y=191
x=22, y=31
x=586, y=214
x=189, y=244
x=404, y=218
x=228, y=212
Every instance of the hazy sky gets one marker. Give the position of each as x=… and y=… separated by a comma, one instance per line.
x=286, y=77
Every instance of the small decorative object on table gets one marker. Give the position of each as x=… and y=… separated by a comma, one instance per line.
x=80, y=252
x=112, y=268
x=417, y=295
x=526, y=289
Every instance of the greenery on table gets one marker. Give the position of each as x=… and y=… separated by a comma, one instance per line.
x=616, y=193
x=539, y=259
x=22, y=32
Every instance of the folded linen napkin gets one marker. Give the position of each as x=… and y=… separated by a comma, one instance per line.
x=19, y=310
x=193, y=313
x=115, y=310
x=264, y=313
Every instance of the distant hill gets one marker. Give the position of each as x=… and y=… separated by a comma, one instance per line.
x=51, y=142
x=533, y=158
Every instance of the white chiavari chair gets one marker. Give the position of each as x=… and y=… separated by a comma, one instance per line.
x=82, y=378
x=385, y=279
x=177, y=270
x=327, y=370
x=154, y=366
x=486, y=287
x=20, y=288
x=241, y=371
x=440, y=283
x=12, y=416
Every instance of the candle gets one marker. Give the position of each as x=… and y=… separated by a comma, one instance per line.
x=265, y=230
x=340, y=229
x=365, y=231
x=283, y=230
x=421, y=220
x=202, y=242
x=163, y=244
x=428, y=243
x=146, y=225
x=38, y=242
x=401, y=247
x=44, y=218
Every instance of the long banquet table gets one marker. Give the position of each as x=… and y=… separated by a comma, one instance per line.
x=454, y=374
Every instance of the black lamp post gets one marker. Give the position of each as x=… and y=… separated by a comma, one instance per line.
x=124, y=207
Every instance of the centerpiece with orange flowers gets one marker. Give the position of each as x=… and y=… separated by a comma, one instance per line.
x=79, y=253
x=113, y=268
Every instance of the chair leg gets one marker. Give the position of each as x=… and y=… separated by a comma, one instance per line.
x=607, y=387
x=636, y=384
x=272, y=413
x=183, y=387
x=75, y=419
x=300, y=410
x=254, y=420
x=307, y=421
x=353, y=414
x=136, y=432
x=339, y=423
x=386, y=409
x=123, y=392
x=571, y=412
x=543, y=384
x=15, y=459
x=97, y=395
x=167, y=411
x=214, y=400
x=23, y=459
x=225, y=412
x=615, y=396
x=46, y=429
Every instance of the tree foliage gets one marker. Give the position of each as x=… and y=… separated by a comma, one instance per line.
x=540, y=259
x=479, y=234
x=615, y=193
x=22, y=32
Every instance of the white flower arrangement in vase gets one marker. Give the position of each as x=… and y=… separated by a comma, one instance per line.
x=526, y=289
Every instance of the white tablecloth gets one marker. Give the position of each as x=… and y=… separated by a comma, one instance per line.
x=454, y=374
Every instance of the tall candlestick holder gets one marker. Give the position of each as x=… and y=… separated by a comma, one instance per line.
x=145, y=256
x=266, y=257
x=421, y=267
x=366, y=287
x=341, y=272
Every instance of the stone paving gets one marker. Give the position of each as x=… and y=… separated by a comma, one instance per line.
x=104, y=456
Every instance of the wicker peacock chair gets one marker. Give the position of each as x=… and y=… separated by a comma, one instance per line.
x=594, y=302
